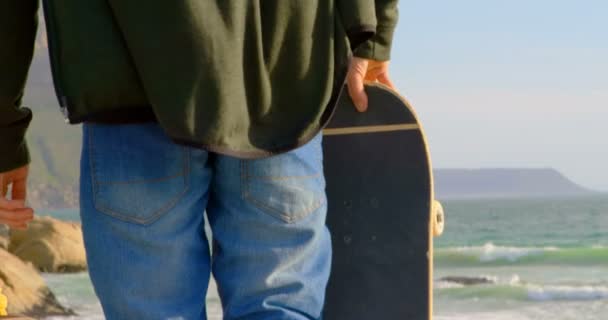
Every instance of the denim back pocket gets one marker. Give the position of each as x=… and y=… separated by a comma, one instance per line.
x=289, y=186
x=138, y=173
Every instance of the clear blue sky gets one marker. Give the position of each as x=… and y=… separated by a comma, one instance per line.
x=519, y=83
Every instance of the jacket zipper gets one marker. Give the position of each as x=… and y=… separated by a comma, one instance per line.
x=54, y=58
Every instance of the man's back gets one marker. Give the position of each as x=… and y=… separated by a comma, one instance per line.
x=247, y=78
x=176, y=98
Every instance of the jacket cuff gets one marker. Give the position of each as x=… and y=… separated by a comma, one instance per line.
x=14, y=152
x=378, y=47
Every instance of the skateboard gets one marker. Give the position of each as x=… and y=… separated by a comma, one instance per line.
x=381, y=211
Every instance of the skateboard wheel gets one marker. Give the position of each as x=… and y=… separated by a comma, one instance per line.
x=437, y=218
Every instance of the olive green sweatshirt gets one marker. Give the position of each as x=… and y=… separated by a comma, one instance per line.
x=243, y=78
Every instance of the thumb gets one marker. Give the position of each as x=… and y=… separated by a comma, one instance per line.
x=356, y=87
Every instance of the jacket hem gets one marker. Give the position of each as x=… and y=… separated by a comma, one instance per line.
x=325, y=118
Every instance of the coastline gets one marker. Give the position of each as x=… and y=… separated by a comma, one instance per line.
x=544, y=258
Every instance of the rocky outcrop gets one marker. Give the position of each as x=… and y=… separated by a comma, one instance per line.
x=468, y=281
x=26, y=290
x=51, y=245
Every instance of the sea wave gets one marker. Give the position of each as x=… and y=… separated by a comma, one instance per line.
x=490, y=254
x=549, y=293
x=515, y=289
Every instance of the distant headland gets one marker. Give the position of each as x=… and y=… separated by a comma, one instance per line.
x=504, y=183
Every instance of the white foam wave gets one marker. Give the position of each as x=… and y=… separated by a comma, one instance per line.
x=493, y=315
x=531, y=291
x=552, y=293
x=490, y=252
x=447, y=285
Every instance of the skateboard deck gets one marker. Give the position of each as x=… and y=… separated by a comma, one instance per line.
x=381, y=211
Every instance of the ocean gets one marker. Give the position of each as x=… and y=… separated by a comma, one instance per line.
x=538, y=258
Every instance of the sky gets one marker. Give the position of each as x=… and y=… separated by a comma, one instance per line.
x=518, y=83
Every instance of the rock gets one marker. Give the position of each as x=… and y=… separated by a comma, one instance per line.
x=51, y=245
x=26, y=290
x=468, y=281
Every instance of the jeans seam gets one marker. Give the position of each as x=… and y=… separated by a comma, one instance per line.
x=244, y=187
x=91, y=161
x=290, y=218
x=158, y=213
x=282, y=215
x=121, y=216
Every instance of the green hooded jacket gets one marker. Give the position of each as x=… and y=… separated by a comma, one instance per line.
x=244, y=78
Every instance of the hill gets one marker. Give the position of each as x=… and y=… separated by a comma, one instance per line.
x=54, y=146
x=501, y=183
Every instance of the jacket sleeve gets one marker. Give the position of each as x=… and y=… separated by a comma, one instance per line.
x=379, y=46
x=18, y=25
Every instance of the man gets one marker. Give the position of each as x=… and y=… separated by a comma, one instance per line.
x=193, y=106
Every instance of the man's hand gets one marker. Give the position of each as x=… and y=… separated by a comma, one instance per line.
x=13, y=212
x=361, y=71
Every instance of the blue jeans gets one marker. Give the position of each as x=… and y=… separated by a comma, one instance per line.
x=143, y=200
